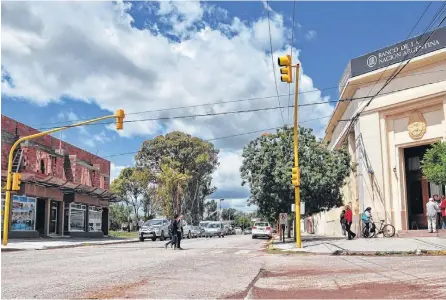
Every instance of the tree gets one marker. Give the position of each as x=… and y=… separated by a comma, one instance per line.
x=211, y=208
x=187, y=155
x=242, y=221
x=433, y=164
x=228, y=213
x=130, y=187
x=266, y=168
x=119, y=214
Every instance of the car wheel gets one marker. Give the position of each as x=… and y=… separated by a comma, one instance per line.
x=254, y=237
x=188, y=235
x=141, y=238
x=162, y=237
x=154, y=237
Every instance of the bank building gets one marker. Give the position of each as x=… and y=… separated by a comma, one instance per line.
x=389, y=138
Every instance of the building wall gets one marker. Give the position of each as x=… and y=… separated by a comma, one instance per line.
x=44, y=148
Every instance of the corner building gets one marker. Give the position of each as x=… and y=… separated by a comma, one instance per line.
x=64, y=190
x=391, y=135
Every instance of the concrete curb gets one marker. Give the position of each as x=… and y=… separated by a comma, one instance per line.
x=69, y=246
x=418, y=252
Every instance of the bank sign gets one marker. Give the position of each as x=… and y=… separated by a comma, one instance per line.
x=396, y=53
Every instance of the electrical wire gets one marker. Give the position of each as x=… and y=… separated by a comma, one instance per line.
x=292, y=45
x=272, y=59
x=235, y=111
x=243, y=99
x=228, y=136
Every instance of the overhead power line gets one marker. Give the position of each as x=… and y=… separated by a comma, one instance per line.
x=228, y=136
x=237, y=111
x=242, y=99
x=272, y=59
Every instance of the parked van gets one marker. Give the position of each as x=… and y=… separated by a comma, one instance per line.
x=155, y=228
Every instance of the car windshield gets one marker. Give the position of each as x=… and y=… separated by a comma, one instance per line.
x=214, y=226
x=262, y=224
x=203, y=224
x=153, y=222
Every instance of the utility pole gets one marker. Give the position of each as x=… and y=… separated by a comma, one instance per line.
x=286, y=69
x=221, y=219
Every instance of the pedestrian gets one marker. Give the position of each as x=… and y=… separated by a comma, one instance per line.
x=342, y=220
x=438, y=201
x=368, y=221
x=443, y=211
x=432, y=209
x=179, y=230
x=173, y=233
x=348, y=222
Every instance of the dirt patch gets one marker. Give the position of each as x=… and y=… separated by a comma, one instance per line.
x=117, y=291
x=360, y=291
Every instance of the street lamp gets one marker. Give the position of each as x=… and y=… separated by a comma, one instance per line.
x=221, y=219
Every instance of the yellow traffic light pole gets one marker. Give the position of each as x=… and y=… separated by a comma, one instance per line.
x=287, y=76
x=119, y=121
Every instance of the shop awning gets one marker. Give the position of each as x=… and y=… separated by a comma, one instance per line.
x=66, y=187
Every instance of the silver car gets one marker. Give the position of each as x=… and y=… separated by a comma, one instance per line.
x=215, y=229
x=155, y=228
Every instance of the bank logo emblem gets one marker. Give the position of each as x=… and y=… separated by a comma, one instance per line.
x=371, y=61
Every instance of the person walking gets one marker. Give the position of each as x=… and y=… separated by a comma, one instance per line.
x=348, y=222
x=432, y=209
x=173, y=233
x=342, y=221
x=443, y=211
x=179, y=231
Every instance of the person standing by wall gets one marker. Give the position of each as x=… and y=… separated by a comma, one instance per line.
x=432, y=209
x=348, y=222
x=342, y=221
x=443, y=211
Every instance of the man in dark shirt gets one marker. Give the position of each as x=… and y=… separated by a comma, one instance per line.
x=179, y=230
x=173, y=232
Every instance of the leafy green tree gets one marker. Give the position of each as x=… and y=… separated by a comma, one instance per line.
x=434, y=163
x=242, y=221
x=228, y=213
x=119, y=214
x=183, y=154
x=130, y=187
x=266, y=168
x=211, y=208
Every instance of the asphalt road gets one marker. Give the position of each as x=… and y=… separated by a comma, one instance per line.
x=234, y=267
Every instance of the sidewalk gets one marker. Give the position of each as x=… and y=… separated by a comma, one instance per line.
x=336, y=245
x=55, y=243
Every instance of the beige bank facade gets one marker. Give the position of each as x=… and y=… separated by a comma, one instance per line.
x=392, y=133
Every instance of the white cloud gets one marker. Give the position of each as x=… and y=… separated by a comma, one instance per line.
x=311, y=35
x=114, y=171
x=90, y=52
x=227, y=175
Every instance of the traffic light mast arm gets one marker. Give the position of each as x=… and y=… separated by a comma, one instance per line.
x=10, y=159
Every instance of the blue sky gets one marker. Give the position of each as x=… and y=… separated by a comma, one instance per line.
x=70, y=61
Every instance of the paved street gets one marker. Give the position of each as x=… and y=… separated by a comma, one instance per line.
x=234, y=267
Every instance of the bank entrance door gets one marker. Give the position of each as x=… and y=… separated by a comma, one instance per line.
x=53, y=217
x=418, y=188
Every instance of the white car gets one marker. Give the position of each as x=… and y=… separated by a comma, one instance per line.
x=155, y=228
x=215, y=229
x=262, y=229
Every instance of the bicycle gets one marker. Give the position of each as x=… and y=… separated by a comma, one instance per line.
x=387, y=230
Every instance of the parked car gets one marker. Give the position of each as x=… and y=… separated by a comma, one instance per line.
x=238, y=230
x=215, y=229
x=248, y=231
x=155, y=228
x=196, y=231
x=262, y=229
x=202, y=226
x=187, y=230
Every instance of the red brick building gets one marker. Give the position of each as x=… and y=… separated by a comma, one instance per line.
x=64, y=189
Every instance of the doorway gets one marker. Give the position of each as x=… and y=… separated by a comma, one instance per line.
x=417, y=187
x=54, y=218
x=40, y=216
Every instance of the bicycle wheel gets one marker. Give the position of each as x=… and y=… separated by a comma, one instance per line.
x=388, y=231
x=365, y=233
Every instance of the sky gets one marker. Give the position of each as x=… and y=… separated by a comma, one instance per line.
x=67, y=61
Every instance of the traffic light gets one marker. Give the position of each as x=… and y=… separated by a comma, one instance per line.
x=120, y=119
x=16, y=181
x=295, y=176
x=285, y=70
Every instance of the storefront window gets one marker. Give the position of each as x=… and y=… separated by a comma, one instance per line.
x=23, y=213
x=77, y=217
x=94, y=218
